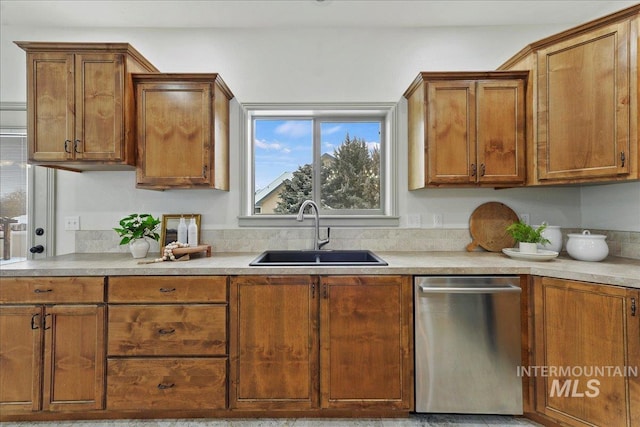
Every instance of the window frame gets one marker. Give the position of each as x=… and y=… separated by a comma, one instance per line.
x=385, y=112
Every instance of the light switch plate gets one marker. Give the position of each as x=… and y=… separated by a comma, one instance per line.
x=413, y=221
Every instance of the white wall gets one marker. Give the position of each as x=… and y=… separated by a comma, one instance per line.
x=299, y=65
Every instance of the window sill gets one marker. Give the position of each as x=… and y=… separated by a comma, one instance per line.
x=325, y=221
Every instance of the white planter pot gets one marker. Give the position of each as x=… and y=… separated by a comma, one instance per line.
x=139, y=248
x=528, y=248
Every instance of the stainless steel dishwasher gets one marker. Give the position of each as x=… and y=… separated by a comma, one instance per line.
x=467, y=344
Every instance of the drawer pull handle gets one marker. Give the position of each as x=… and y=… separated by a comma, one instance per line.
x=167, y=290
x=165, y=386
x=166, y=331
x=42, y=291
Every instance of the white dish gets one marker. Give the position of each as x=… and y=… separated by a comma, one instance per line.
x=541, y=255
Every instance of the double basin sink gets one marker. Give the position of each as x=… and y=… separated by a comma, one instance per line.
x=317, y=258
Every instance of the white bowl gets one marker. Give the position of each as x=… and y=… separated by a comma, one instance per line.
x=587, y=246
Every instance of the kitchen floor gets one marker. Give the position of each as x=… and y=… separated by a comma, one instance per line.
x=430, y=420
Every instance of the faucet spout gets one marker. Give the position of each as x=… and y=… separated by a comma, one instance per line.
x=317, y=242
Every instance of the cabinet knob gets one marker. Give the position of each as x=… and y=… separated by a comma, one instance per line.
x=473, y=169
x=482, y=169
x=166, y=331
x=622, y=159
x=165, y=386
x=75, y=146
x=66, y=146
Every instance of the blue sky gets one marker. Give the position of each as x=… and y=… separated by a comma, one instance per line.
x=284, y=145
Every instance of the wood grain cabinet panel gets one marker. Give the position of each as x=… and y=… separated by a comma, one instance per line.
x=583, y=118
x=80, y=104
x=303, y=342
x=584, y=105
x=366, y=355
x=52, y=353
x=467, y=129
x=167, y=383
x=168, y=289
x=587, y=326
x=167, y=330
x=274, y=335
x=183, y=131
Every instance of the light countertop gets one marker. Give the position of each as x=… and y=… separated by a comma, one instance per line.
x=613, y=270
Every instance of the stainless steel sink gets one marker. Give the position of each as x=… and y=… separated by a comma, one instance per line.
x=317, y=258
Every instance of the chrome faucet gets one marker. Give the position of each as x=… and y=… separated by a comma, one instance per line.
x=317, y=242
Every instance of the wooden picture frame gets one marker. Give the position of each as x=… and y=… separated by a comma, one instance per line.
x=169, y=231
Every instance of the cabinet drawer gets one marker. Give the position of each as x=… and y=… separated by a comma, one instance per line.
x=37, y=290
x=182, y=383
x=167, y=289
x=167, y=330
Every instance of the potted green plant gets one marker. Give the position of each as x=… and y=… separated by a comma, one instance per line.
x=527, y=236
x=135, y=229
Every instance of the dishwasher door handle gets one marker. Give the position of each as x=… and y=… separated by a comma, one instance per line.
x=469, y=290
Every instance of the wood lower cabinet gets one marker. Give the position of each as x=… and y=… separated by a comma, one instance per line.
x=366, y=356
x=80, y=104
x=467, y=129
x=582, y=328
x=52, y=349
x=303, y=342
x=183, y=131
x=167, y=343
x=274, y=342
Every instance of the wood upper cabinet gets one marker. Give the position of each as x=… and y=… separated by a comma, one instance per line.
x=366, y=352
x=583, y=122
x=341, y=343
x=80, y=104
x=183, y=131
x=588, y=327
x=467, y=129
x=274, y=342
x=584, y=95
x=52, y=356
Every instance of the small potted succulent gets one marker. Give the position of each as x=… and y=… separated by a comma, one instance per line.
x=135, y=229
x=527, y=236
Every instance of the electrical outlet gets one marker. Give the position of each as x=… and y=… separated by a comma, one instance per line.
x=413, y=221
x=524, y=218
x=437, y=220
x=72, y=223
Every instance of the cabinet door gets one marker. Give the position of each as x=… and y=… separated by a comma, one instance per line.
x=451, y=132
x=99, y=104
x=366, y=356
x=174, y=134
x=274, y=336
x=50, y=105
x=501, y=131
x=583, y=106
x=585, y=328
x=74, y=357
x=20, y=358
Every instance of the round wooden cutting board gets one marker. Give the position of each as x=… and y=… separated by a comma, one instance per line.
x=488, y=224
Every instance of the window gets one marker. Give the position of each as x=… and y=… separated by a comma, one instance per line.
x=338, y=157
x=13, y=195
